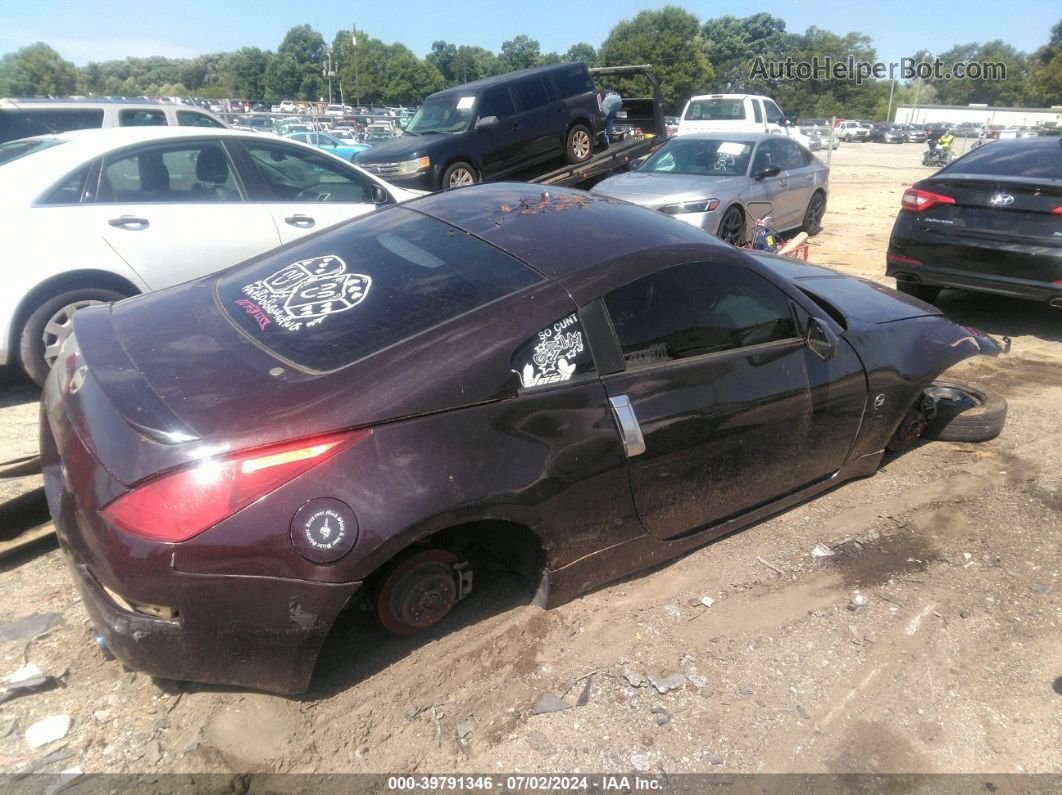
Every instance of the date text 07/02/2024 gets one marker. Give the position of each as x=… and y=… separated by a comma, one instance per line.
x=523, y=783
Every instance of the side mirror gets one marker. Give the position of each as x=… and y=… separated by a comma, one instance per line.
x=821, y=340
x=486, y=121
x=638, y=162
x=379, y=195
x=770, y=171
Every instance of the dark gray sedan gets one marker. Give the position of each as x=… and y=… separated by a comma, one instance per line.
x=722, y=182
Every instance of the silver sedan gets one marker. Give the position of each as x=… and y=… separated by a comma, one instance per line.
x=722, y=182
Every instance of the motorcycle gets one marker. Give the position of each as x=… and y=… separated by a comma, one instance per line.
x=937, y=156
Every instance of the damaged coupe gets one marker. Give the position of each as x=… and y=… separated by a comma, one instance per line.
x=581, y=387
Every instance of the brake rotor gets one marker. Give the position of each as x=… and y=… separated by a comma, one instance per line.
x=908, y=432
x=419, y=592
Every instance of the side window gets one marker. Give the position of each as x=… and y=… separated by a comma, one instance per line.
x=774, y=115
x=573, y=80
x=695, y=309
x=766, y=156
x=532, y=92
x=559, y=352
x=141, y=118
x=496, y=102
x=177, y=172
x=69, y=190
x=789, y=154
x=294, y=175
x=757, y=111
x=189, y=118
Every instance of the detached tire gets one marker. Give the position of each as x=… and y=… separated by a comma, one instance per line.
x=579, y=145
x=965, y=413
x=49, y=325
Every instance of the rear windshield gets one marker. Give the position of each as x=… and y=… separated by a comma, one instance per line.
x=1018, y=159
x=716, y=110
x=12, y=150
x=22, y=123
x=343, y=295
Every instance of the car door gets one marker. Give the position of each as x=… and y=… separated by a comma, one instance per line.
x=175, y=211
x=729, y=406
x=303, y=190
x=801, y=168
x=541, y=120
x=500, y=145
x=768, y=192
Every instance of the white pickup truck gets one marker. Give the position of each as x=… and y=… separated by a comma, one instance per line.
x=737, y=113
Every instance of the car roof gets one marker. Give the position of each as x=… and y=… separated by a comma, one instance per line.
x=723, y=135
x=540, y=225
x=487, y=82
x=30, y=174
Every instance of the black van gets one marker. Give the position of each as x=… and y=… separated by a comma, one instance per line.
x=491, y=128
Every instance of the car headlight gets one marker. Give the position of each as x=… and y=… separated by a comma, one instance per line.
x=698, y=206
x=413, y=166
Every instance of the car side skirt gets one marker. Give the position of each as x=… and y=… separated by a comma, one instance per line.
x=645, y=551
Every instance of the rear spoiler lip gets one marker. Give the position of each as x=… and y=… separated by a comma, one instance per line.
x=117, y=376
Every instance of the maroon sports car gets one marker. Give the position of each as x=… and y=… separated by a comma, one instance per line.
x=580, y=386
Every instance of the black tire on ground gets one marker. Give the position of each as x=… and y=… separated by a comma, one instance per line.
x=50, y=324
x=579, y=145
x=813, y=215
x=732, y=227
x=965, y=413
x=458, y=175
x=923, y=292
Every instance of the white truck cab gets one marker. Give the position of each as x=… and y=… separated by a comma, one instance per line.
x=736, y=113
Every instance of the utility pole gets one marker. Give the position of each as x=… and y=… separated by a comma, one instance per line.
x=357, y=85
x=330, y=72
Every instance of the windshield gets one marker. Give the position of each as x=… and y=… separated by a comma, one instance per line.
x=713, y=157
x=716, y=109
x=13, y=150
x=445, y=113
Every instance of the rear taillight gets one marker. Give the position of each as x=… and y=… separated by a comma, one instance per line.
x=182, y=504
x=1057, y=211
x=917, y=200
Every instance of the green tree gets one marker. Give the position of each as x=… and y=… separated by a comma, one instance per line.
x=442, y=57
x=582, y=52
x=519, y=53
x=1007, y=90
x=243, y=73
x=732, y=46
x=1043, y=86
x=36, y=70
x=298, y=76
x=669, y=41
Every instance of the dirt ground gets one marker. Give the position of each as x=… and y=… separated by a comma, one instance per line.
x=954, y=663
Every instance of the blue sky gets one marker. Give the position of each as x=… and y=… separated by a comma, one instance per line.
x=97, y=30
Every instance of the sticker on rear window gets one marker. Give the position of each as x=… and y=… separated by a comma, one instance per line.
x=304, y=293
x=557, y=353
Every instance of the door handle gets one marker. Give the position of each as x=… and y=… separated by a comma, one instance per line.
x=300, y=220
x=630, y=430
x=129, y=222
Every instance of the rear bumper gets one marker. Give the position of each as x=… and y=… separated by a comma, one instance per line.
x=1009, y=267
x=263, y=632
x=218, y=635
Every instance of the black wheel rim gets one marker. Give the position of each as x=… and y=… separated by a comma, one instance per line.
x=815, y=213
x=731, y=227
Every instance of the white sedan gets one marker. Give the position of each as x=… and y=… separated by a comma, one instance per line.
x=96, y=215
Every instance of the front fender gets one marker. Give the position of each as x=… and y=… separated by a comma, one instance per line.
x=901, y=359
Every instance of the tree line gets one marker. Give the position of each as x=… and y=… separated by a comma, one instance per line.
x=687, y=55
